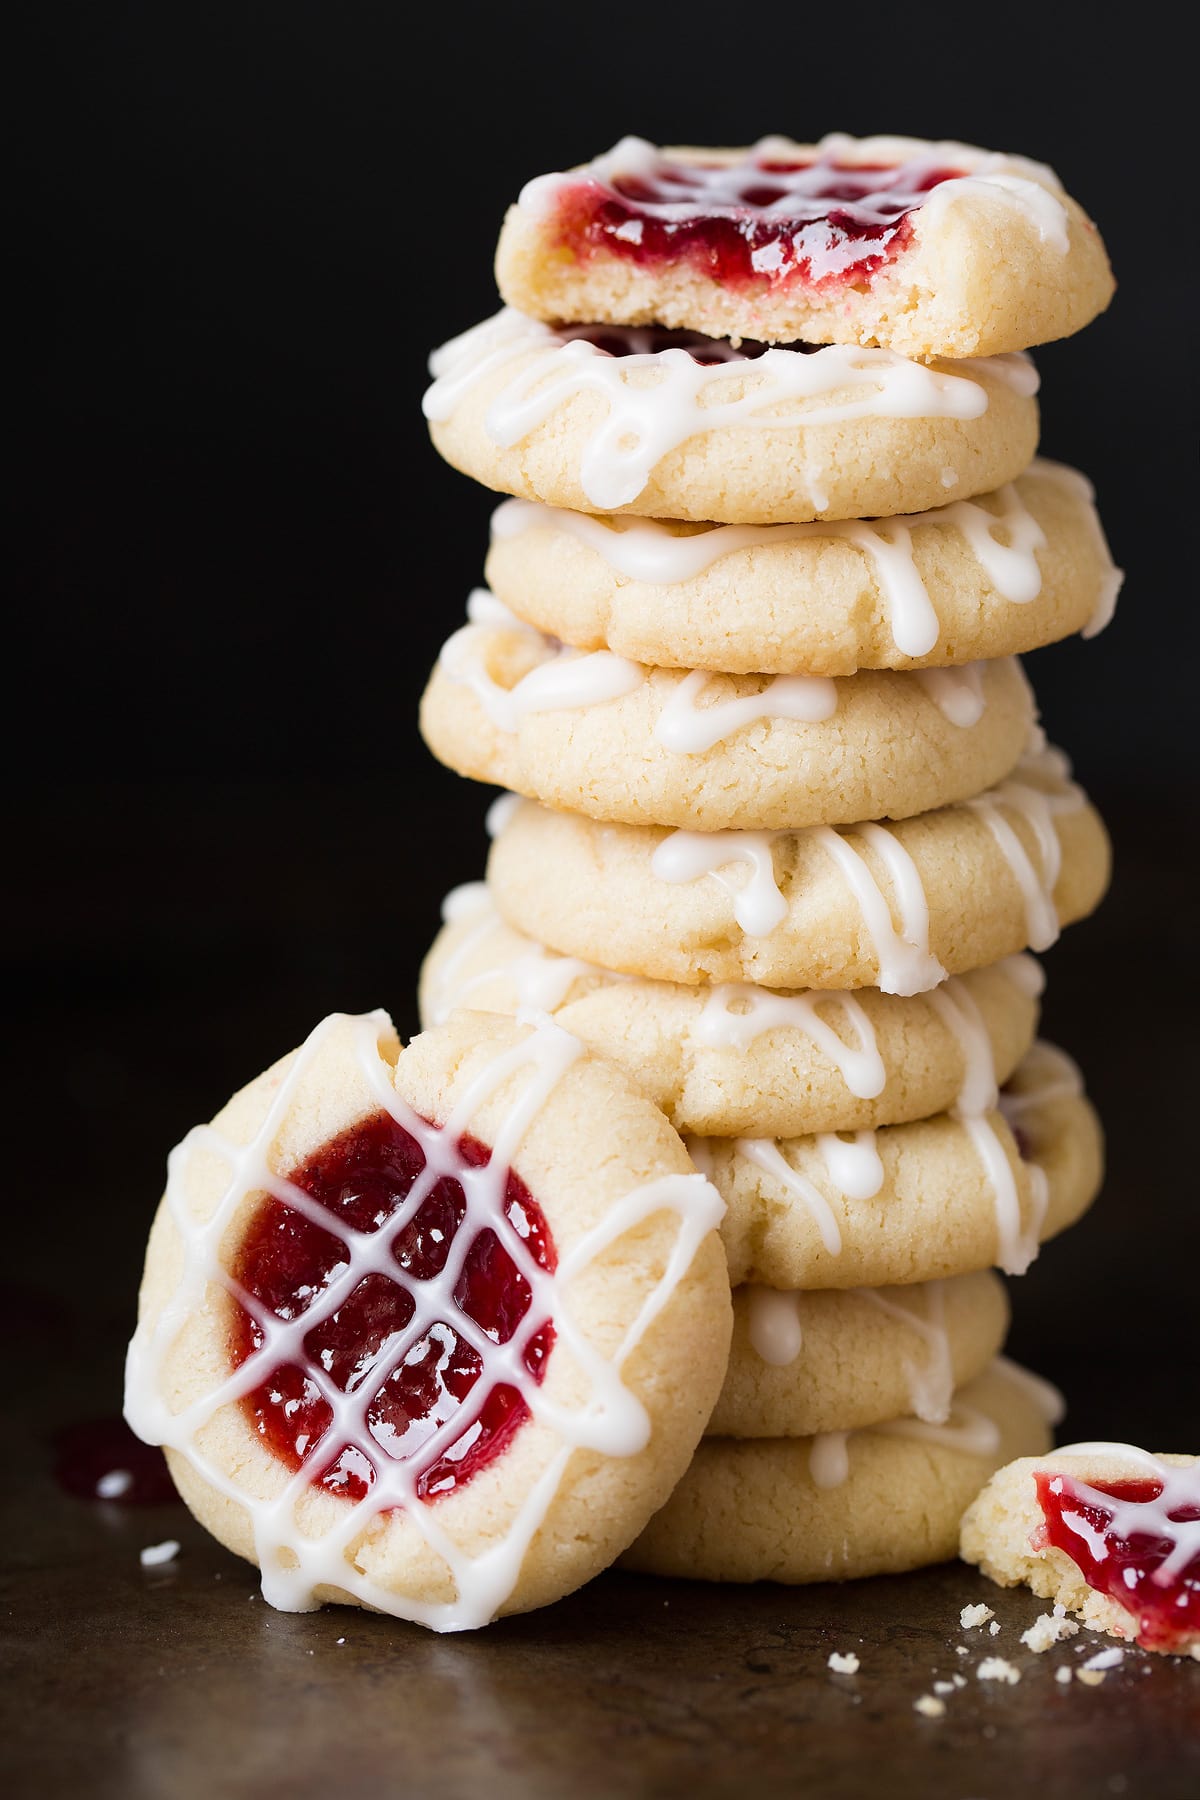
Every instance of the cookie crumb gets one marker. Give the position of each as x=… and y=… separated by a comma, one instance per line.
x=929, y=1707
x=341, y=1640
x=994, y=1668
x=961, y=1650
x=943, y=1687
x=1063, y=1673
x=844, y=1665
x=114, y=1484
x=1106, y=1659
x=1047, y=1629
x=994, y=1627
x=154, y=1555
x=971, y=1616
x=960, y=1681
x=1089, y=1677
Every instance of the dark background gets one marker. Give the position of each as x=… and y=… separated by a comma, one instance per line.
x=240, y=230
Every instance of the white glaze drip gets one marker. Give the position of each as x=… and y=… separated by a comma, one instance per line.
x=499, y=813
x=1112, y=580
x=758, y=904
x=765, y=1154
x=649, y=551
x=295, y=1564
x=855, y=1168
x=1180, y=1491
x=957, y=693
x=773, y=1324
x=655, y=401
x=906, y=965
x=541, y=978
x=687, y=728
x=1038, y=806
x=829, y=1458
x=968, y=1429
x=565, y=678
x=930, y=1385
x=735, y=1013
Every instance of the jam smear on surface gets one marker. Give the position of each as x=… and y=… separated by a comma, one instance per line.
x=1122, y=1556
x=761, y=225
x=361, y=1179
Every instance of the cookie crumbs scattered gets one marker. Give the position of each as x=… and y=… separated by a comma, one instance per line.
x=1106, y=1659
x=341, y=1640
x=1063, y=1673
x=962, y=1650
x=971, y=1616
x=929, y=1708
x=994, y=1668
x=960, y=1681
x=114, y=1484
x=1090, y=1677
x=943, y=1687
x=1047, y=1629
x=154, y=1555
x=994, y=1627
x=844, y=1665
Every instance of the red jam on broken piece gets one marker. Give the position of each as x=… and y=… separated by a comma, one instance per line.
x=419, y=1369
x=757, y=224
x=1122, y=1554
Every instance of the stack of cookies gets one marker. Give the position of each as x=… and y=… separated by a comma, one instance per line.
x=781, y=824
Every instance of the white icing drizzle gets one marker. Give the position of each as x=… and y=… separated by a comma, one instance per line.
x=541, y=978
x=565, y=678
x=758, y=904
x=930, y=1387
x=968, y=1429
x=1016, y=1243
x=735, y=1013
x=775, y=1331
x=717, y=189
x=687, y=728
x=855, y=1168
x=649, y=551
x=294, y=1563
x=773, y=1324
x=765, y=1154
x=957, y=693
x=829, y=1458
x=500, y=812
x=906, y=965
x=656, y=400
x=1180, y=1490
x=1038, y=806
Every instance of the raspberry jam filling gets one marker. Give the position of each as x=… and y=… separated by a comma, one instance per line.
x=405, y=1359
x=759, y=223
x=1123, y=1549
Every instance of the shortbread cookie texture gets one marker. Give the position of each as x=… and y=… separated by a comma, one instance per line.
x=932, y=249
x=916, y=1202
x=593, y=733
x=431, y=1331
x=835, y=1507
x=734, y=1059
x=896, y=907
x=994, y=576
x=1107, y=1531
x=605, y=419
x=803, y=1363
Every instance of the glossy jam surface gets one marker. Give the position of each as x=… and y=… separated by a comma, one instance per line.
x=755, y=224
x=404, y=1359
x=1123, y=1556
x=101, y=1459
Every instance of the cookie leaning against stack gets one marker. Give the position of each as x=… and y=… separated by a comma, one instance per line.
x=786, y=823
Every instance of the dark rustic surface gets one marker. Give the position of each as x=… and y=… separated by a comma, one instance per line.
x=161, y=960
